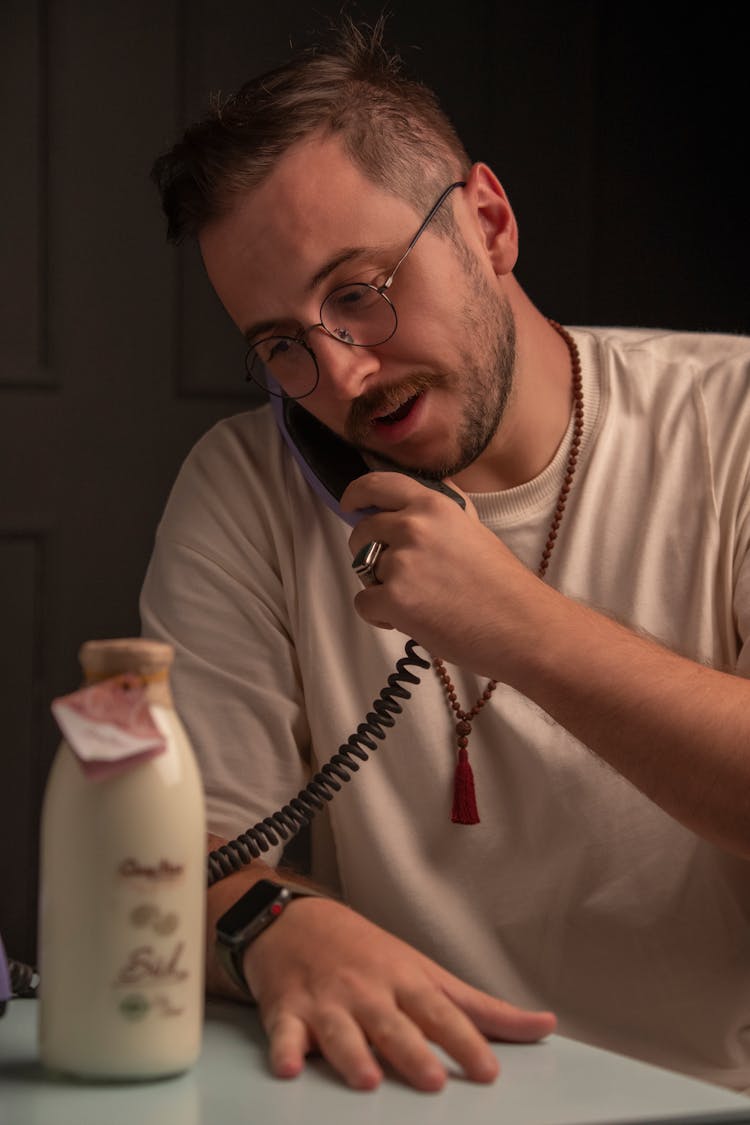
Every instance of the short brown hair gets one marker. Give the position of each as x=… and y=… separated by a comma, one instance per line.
x=392, y=127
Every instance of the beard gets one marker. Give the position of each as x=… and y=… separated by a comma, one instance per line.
x=484, y=384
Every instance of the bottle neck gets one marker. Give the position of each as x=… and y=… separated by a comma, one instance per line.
x=155, y=684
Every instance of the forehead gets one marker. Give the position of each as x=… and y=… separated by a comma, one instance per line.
x=315, y=204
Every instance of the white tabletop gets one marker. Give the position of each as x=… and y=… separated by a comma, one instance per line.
x=558, y=1082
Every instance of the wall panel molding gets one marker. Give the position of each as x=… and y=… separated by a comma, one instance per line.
x=24, y=233
x=23, y=677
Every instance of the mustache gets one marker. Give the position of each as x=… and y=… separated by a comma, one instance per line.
x=384, y=400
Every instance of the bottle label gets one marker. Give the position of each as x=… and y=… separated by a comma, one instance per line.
x=109, y=725
x=154, y=965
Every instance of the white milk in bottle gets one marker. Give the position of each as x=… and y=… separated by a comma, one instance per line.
x=123, y=875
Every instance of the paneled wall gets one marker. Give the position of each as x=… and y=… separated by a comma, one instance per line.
x=617, y=133
x=102, y=387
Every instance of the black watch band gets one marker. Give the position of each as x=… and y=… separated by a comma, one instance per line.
x=248, y=918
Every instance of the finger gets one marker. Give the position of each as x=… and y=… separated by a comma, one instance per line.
x=388, y=491
x=398, y=1040
x=342, y=1042
x=289, y=1043
x=497, y=1019
x=445, y=1024
x=363, y=604
x=373, y=529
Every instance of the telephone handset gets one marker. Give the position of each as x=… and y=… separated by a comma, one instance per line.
x=328, y=464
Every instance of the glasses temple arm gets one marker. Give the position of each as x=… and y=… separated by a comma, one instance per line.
x=428, y=218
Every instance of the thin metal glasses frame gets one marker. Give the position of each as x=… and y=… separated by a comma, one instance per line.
x=251, y=356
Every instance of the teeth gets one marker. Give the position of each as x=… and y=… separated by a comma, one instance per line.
x=393, y=406
x=399, y=412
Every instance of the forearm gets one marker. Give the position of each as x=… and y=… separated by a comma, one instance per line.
x=676, y=729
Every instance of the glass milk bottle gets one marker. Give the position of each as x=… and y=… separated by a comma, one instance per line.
x=123, y=875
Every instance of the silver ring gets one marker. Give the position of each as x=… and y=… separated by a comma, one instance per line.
x=365, y=561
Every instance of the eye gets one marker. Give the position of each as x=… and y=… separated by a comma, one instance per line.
x=357, y=298
x=353, y=295
x=278, y=347
x=273, y=348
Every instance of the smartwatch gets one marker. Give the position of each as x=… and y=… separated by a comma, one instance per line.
x=249, y=917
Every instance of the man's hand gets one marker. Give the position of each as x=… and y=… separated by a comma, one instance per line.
x=328, y=980
x=437, y=560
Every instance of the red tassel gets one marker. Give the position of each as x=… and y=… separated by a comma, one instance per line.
x=464, y=809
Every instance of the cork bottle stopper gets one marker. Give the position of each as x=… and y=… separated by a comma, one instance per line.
x=137, y=655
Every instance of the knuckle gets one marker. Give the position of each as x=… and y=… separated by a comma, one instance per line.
x=349, y=980
x=385, y=1031
x=275, y=1017
x=430, y=1007
x=328, y=1024
x=343, y=987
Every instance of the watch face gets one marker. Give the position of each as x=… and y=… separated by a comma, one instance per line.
x=253, y=903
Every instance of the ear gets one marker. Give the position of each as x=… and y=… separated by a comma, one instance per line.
x=493, y=216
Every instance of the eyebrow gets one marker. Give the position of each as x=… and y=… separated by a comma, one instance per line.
x=347, y=255
x=333, y=264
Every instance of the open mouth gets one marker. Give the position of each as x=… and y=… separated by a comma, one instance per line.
x=390, y=414
x=396, y=415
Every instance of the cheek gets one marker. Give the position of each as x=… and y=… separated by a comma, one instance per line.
x=431, y=335
x=328, y=410
x=420, y=340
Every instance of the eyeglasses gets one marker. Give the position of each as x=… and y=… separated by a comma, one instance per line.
x=357, y=314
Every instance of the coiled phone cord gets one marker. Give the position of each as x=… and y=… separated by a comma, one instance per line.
x=283, y=825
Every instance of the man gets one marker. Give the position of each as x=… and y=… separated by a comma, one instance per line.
x=560, y=817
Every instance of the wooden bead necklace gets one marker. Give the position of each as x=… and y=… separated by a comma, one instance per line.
x=464, y=810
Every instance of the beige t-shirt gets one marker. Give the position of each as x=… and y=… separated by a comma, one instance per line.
x=575, y=892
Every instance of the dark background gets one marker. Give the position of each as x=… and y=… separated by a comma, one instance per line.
x=617, y=131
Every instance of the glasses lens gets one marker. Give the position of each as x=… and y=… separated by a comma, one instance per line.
x=358, y=314
x=290, y=364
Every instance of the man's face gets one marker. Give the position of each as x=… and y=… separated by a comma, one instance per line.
x=431, y=397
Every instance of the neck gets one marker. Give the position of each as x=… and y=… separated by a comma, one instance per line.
x=538, y=411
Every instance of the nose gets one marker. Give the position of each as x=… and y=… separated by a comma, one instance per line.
x=344, y=368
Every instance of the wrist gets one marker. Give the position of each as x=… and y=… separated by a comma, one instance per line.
x=272, y=960
x=248, y=918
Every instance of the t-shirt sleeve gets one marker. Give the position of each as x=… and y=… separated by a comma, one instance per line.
x=215, y=590
x=725, y=394
x=742, y=585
